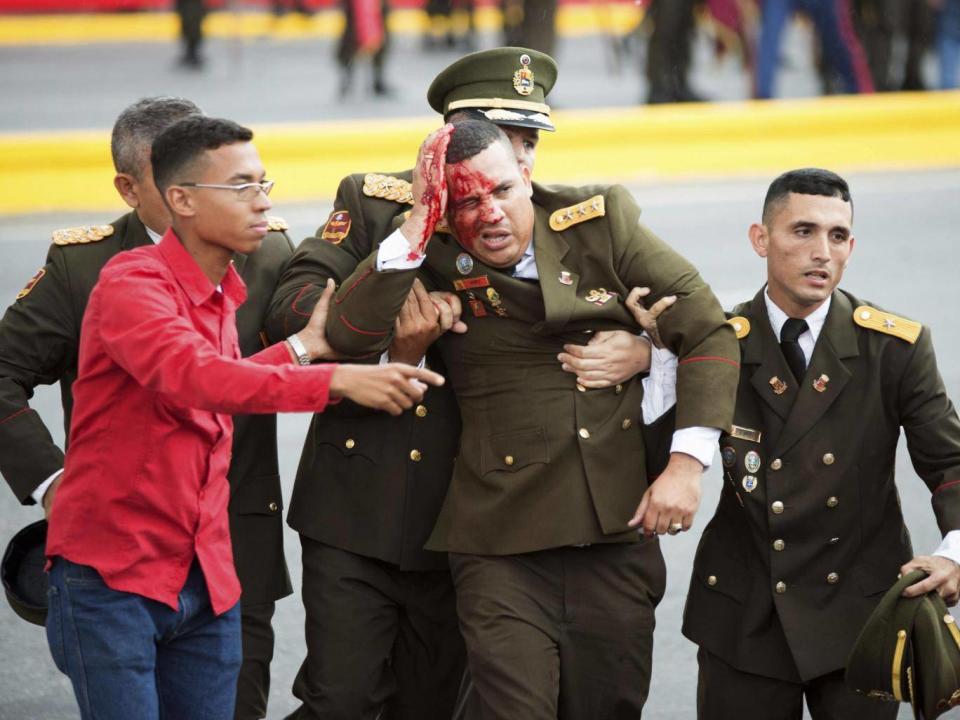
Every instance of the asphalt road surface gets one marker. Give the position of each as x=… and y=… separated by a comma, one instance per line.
x=905, y=259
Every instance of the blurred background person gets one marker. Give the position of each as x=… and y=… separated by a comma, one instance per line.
x=670, y=51
x=364, y=34
x=842, y=53
x=191, y=14
x=531, y=24
x=948, y=41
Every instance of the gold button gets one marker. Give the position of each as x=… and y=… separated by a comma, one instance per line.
x=584, y=433
x=581, y=388
x=833, y=578
x=415, y=455
x=626, y=424
x=618, y=389
x=781, y=587
x=712, y=580
x=828, y=459
x=350, y=443
x=421, y=411
x=832, y=501
x=776, y=464
x=508, y=460
x=865, y=315
x=273, y=507
x=777, y=507
x=779, y=545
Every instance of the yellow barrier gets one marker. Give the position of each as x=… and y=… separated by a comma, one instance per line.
x=71, y=171
x=572, y=20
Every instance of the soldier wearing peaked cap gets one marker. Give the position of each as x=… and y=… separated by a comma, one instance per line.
x=39, y=340
x=555, y=594
x=808, y=533
x=370, y=486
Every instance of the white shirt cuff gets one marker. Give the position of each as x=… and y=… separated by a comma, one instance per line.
x=950, y=547
x=41, y=490
x=394, y=254
x=700, y=442
x=660, y=386
x=385, y=358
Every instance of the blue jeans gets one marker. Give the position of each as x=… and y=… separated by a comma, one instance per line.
x=838, y=50
x=131, y=657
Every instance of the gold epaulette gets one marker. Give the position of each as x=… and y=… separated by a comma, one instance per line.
x=569, y=216
x=441, y=226
x=740, y=325
x=388, y=188
x=82, y=235
x=873, y=319
x=275, y=224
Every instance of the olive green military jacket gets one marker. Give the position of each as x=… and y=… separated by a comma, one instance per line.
x=369, y=483
x=808, y=533
x=544, y=463
x=39, y=339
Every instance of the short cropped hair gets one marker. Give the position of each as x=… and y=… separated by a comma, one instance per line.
x=472, y=137
x=805, y=181
x=139, y=125
x=179, y=146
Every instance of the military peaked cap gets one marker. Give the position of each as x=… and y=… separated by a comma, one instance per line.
x=908, y=651
x=22, y=572
x=506, y=85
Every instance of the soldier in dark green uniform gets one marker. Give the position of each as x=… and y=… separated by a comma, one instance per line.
x=808, y=533
x=39, y=337
x=554, y=593
x=370, y=486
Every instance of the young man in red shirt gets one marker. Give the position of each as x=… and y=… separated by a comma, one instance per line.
x=144, y=614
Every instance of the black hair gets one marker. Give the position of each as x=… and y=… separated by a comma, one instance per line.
x=805, y=181
x=472, y=137
x=139, y=125
x=177, y=147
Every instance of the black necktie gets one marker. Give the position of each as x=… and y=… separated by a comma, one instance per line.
x=792, y=329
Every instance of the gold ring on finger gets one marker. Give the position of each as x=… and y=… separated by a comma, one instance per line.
x=674, y=528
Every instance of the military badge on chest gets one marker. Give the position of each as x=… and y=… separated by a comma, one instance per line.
x=600, y=296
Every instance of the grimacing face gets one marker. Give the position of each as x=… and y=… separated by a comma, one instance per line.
x=807, y=244
x=489, y=207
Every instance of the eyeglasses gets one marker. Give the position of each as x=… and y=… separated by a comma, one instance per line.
x=245, y=191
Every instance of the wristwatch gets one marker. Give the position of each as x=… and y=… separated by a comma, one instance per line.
x=298, y=349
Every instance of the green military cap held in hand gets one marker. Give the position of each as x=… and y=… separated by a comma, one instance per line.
x=506, y=85
x=23, y=575
x=909, y=651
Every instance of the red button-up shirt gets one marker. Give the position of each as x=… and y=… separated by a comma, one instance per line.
x=144, y=489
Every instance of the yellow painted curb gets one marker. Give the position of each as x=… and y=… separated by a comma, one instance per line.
x=17, y=30
x=71, y=171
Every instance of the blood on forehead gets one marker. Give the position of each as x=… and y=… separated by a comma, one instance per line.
x=465, y=183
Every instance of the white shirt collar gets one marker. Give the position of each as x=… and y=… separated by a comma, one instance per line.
x=527, y=265
x=156, y=237
x=815, y=321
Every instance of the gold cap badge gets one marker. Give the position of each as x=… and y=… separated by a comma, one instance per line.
x=523, y=78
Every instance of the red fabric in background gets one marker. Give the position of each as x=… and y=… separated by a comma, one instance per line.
x=368, y=26
x=92, y=6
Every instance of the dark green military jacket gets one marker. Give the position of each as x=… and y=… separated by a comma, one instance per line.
x=787, y=572
x=542, y=462
x=369, y=483
x=39, y=338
